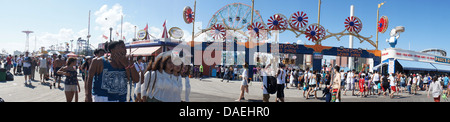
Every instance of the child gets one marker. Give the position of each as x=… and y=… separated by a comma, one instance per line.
x=71, y=81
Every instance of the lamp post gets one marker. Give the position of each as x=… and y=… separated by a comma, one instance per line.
x=378, y=18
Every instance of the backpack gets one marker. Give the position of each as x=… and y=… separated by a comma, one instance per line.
x=271, y=85
x=9, y=76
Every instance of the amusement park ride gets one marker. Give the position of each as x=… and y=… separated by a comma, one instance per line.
x=238, y=20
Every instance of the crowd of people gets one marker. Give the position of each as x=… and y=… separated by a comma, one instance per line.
x=108, y=76
x=160, y=80
x=361, y=84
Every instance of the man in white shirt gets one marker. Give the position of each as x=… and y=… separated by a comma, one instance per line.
x=281, y=75
x=42, y=67
x=376, y=81
x=26, y=68
x=342, y=78
x=350, y=82
x=393, y=84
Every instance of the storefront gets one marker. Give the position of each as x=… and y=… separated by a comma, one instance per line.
x=407, y=61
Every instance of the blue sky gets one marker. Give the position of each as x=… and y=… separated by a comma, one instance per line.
x=55, y=21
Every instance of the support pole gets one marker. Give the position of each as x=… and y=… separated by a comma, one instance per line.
x=350, y=41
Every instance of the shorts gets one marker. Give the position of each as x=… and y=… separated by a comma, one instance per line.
x=403, y=84
x=26, y=71
x=349, y=86
x=413, y=86
x=361, y=87
x=70, y=88
x=266, y=97
x=384, y=88
x=56, y=70
x=393, y=88
x=312, y=85
x=43, y=71
x=305, y=87
x=280, y=90
x=96, y=98
x=334, y=94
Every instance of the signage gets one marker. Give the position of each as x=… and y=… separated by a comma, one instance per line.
x=142, y=34
x=408, y=55
x=391, y=68
x=442, y=60
x=318, y=55
x=349, y=52
x=176, y=32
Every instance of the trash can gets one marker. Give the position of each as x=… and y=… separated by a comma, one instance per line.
x=2, y=74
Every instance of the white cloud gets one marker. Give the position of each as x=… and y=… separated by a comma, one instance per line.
x=64, y=35
x=107, y=17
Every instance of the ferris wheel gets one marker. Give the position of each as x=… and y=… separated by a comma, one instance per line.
x=235, y=16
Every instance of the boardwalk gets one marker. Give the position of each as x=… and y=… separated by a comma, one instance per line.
x=206, y=90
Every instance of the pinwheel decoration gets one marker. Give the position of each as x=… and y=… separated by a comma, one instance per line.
x=315, y=32
x=188, y=15
x=277, y=22
x=218, y=31
x=255, y=27
x=298, y=20
x=383, y=24
x=353, y=24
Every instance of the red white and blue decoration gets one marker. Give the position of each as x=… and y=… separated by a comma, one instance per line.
x=256, y=28
x=218, y=31
x=315, y=32
x=277, y=22
x=188, y=15
x=298, y=21
x=353, y=24
x=383, y=24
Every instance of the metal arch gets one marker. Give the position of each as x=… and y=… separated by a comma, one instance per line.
x=443, y=52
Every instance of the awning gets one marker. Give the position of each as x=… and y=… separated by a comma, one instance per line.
x=442, y=67
x=416, y=65
x=378, y=66
x=143, y=51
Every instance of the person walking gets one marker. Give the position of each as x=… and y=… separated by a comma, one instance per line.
x=415, y=81
x=57, y=64
x=350, y=82
x=376, y=81
x=42, y=68
x=33, y=67
x=306, y=78
x=108, y=77
x=281, y=74
x=435, y=89
x=385, y=84
x=362, y=85
x=336, y=85
x=71, y=82
x=392, y=84
x=27, y=68
x=14, y=61
x=139, y=65
x=244, y=83
x=312, y=85
x=200, y=69
x=264, y=79
x=187, y=85
x=409, y=83
x=225, y=74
